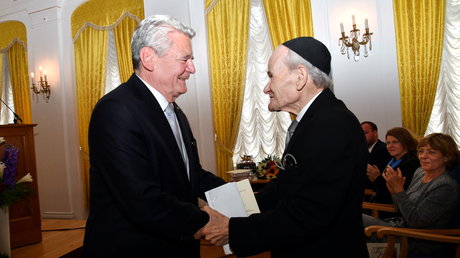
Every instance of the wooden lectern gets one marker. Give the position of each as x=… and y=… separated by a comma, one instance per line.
x=25, y=221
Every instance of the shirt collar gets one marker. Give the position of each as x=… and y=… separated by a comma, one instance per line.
x=372, y=146
x=305, y=108
x=158, y=96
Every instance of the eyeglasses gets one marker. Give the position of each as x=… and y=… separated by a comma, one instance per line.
x=288, y=161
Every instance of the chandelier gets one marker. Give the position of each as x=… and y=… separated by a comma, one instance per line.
x=353, y=41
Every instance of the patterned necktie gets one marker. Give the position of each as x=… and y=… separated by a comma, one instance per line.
x=290, y=131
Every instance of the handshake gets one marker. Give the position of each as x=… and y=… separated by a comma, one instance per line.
x=234, y=199
x=216, y=230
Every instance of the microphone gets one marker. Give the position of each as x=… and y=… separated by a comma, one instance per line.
x=16, y=116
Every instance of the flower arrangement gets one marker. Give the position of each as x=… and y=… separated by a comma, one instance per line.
x=11, y=191
x=267, y=168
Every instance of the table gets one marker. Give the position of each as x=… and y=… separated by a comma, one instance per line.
x=258, y=184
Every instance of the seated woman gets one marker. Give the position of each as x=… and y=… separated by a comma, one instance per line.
x=401, y=145
x=432, y=196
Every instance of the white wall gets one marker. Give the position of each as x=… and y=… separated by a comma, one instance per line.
x=368, y=87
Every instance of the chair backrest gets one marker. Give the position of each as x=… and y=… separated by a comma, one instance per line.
x=455, y=173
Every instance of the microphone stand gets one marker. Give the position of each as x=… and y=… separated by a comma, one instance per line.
x=16, y=116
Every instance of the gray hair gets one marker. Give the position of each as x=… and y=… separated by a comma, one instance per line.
x=152, y=31
x=320, y=79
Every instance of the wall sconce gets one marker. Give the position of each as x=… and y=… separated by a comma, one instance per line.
x=43, y=86
x=353, y=41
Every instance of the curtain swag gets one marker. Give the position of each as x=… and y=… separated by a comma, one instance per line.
x=110, y=27
x=21, y=43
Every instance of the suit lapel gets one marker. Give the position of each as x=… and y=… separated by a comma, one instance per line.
x=157, y=122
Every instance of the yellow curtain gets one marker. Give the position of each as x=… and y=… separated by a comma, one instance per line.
x=108, y=12
x=288, y=19
x=419, y=27
x=122, y=34
x=13, y=41
x=12, y=30
x=1, y=74
x=90, y=56
x=17, y=57
x=90, y=32
x=228, y=24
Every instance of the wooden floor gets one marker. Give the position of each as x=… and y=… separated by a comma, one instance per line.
x=56, y=241
x=65, y=237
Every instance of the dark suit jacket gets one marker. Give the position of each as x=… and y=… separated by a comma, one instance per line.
x=380, y=157
x=313, y=209
x=142, y=203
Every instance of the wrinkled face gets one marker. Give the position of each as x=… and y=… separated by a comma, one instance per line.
x=395, y=148
x=431, y=160
x=174, y=67
x=371, y=136
x=281, y=85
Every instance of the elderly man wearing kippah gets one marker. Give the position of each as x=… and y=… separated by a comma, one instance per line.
x=313, y=209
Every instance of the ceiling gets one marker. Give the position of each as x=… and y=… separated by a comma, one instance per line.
x=7, y=4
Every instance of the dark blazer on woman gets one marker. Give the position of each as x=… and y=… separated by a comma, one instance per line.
x=313, y=209
x=408, y=165
x=142, y=203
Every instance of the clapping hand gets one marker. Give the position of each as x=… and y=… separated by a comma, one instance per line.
x=216, y=231
x=395, y=180
x=372, y=172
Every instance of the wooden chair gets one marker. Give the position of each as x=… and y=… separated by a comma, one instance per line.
x=376, y=207
x=438, y=235
x=369, y=193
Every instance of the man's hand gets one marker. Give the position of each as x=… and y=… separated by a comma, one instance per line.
x=199, y=234
x=372, y=172
x=216, y=231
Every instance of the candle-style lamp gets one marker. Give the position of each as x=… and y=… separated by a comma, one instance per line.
x=353, y=41
x=43, y=85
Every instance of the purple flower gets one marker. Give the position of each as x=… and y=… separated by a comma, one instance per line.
x=10, y=159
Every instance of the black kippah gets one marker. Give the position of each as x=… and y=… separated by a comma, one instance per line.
x=311, y=50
